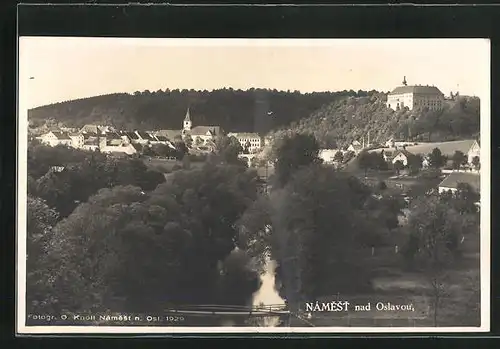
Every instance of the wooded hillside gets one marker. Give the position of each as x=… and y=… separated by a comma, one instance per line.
x=343, y=121
x=255, y=110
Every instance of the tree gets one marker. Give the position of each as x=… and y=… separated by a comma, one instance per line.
x=228, y=149
x=476, y=162
x=436, y=159
x=198, y=141
x=398, y=166
x=415, y=163
x=312, y=257
x=188, y=141
x=40, y=221
x=459, y=159
x=163, y=150
x=181, y=147
x=67, y=189
x=185, y=227
x=435, y=230
x=247, y=147
x=382, y=185
x=365, y=161
x=293, y=153
x=339, y=157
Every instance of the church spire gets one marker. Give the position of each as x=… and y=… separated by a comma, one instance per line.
x=187, y=121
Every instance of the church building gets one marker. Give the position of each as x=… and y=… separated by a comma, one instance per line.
x=199, y=134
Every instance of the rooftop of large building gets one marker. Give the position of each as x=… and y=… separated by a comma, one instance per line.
x=416, y=89
x=455, y=178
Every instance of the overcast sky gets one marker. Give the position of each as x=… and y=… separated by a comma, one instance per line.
x=71, y=68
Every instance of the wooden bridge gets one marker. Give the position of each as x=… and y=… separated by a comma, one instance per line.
x=240, y=312
x=234, y=310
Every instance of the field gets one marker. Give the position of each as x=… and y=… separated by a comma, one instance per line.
x=166, y=165
x=447, y=148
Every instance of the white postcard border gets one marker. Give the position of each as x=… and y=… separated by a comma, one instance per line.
x=21, y=176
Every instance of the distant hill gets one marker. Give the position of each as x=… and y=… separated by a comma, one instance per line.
x=339, y=123
x=257, y=110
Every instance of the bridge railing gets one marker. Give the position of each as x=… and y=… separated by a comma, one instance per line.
x=270, y=309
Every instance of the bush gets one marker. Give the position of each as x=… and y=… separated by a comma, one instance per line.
x=382, y=185
x=431, y=173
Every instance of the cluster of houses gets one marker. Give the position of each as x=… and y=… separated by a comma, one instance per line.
x=403, y=151
x=109, y=140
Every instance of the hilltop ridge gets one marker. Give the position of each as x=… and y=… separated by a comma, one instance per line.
x=254, y=110
x=338, y=123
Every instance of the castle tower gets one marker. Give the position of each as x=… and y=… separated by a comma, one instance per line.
x=187, y=121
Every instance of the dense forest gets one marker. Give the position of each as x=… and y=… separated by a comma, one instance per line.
x=257, y=110
x=343, y=121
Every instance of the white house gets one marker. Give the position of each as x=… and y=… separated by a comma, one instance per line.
x=451, y=182
x=403, y=156
x=355, y=147
x=115, y=145
x=473, y=151
x=328, y=155
x=253, y=140
x=54, y=138
x=77, y=140
x=414, y=97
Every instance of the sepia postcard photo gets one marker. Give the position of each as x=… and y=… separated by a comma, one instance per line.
x=253, y=185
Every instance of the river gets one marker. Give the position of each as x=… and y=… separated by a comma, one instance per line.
x=267, y=295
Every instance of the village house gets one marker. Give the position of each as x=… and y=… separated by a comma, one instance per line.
x=90, y=144
x=253, y=140
x=473, y=152
x=95, y=129
x=115, y=144
x=55, y=138
x=355, y=147
x=77, y=140
x=143, y=137
x=328, y=155
x=415, y=96
x=170, y=135
x=403, y=156
x=453, y=180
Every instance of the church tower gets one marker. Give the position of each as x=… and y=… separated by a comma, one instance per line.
x=187, y=121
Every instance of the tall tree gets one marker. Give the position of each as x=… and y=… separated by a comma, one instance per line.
x=185, y=227
x=436, y=158
x=40, y=221
x=228, y=149
x=435, y=230
x=459, y=159
x=476, y=162
x=293, y=153
x=307, y=250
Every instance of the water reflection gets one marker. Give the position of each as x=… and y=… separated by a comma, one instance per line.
x=267, y=295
